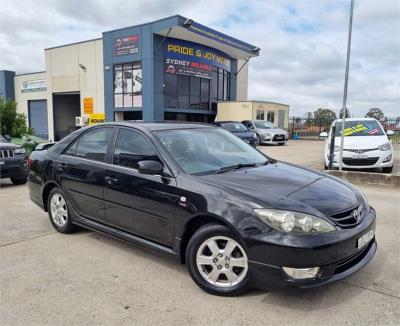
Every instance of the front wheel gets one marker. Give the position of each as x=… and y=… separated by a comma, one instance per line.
x=217, y=262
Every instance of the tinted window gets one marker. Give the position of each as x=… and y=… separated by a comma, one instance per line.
x=71, y=150
x=93, y=144
x=132, y=147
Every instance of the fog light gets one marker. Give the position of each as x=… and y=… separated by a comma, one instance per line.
x=301, y=273
x=388, y=158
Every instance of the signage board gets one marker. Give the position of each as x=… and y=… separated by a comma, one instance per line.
x=188, y=58
x=38, y=85
x=88, y=105
x=126, y=45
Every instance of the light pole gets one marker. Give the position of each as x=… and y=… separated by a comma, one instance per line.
x=346, y=81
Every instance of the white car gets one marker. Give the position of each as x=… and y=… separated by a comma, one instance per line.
x=366, y=145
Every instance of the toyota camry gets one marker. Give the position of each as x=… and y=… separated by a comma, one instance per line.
x=235, y=217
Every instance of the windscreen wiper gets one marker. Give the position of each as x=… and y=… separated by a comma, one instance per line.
x=235, y=167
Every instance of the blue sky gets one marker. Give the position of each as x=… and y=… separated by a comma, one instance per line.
x=303, y=43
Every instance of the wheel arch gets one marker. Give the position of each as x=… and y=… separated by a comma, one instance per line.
x=49, y=186
x=197, y=222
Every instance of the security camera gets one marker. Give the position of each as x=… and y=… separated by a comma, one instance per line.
x=188, y=23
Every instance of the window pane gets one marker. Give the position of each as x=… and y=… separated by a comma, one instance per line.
x=205, y=88
x=225, y=86
x=271, y=116
x=195, y=102
x=183, y=85
x=214, y=86
x=170, y=84
x=194, y=86
x=93, y=144
x=220, y=85
x=260, y=115
x=183, y=102
x=132, y=147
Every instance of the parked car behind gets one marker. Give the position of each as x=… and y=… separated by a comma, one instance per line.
x=13, y=161
x=366, y=145
x=234, y=216
x=266, y=132
x=239, y=130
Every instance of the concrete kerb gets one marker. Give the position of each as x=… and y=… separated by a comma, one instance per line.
x=390, y=180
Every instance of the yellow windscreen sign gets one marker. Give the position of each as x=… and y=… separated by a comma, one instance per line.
x=354, y=130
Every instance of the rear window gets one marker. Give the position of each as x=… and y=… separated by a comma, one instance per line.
x=359, y=128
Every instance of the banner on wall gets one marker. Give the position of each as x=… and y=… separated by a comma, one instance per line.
x=126, y=45
x=38, y=85
x=128, y=85
x=188, y=58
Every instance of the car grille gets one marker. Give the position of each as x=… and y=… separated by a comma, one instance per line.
x=4, y=153
x=278, y=137
x=347, y=218
x=359, y=151
x=360, y=161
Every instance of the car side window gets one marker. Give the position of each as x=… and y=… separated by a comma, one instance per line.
x=93, y=144
x=131, y=147
x=70, y=151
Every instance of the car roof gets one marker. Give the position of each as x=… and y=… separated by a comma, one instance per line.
x=228, y=121
x=161, y=125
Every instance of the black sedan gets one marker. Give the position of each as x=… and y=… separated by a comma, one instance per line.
x=237, y=218
x=239, y=130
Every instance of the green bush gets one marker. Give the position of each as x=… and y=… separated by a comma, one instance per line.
x=11, y=122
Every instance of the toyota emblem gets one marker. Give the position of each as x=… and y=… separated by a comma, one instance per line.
x=356, y=214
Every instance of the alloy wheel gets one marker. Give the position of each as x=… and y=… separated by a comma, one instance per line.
x=58, y=209
x=222, y=261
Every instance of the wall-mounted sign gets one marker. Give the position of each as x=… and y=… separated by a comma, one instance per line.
x=88, y=105
x=126, y=45
x=96, y=118
x=222, y=38
x=128, y=85
x=188, y=58
x=38, y=85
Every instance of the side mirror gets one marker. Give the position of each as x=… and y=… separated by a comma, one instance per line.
x=323, y=135
x=390, y=132
x=150, y=167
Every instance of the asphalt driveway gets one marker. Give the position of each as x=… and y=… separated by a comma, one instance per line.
x=87, y=278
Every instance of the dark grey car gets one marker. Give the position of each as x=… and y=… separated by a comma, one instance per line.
x=13, y=162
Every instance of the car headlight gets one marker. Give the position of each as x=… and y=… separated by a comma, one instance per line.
x=19, y=151
x=288, y=221
x=384, y=147
x=364, y=199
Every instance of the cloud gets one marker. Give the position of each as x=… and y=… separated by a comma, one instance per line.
x=303, y=43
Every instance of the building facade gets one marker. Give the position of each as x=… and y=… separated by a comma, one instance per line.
x=170, y=69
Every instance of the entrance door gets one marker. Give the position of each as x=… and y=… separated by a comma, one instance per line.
x=65, y=108
x=37, y=115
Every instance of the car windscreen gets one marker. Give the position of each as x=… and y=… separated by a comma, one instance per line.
x=359, y=128
x=206, y=151
x=264, y=125
x=233, y=126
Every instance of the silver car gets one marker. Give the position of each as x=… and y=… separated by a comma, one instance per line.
x=266, y=132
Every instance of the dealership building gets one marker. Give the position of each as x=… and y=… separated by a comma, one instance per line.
x=169, y=69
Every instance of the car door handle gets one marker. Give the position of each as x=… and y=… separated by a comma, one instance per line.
x=110, y=180
x=61, y=166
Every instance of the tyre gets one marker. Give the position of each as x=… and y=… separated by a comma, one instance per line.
x=388, y=169
x=259, y=140
x=58, y=211
x=217, y=261
x=18, y=181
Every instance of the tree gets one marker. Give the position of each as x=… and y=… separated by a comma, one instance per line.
x=375, y=113
x=324, y=116
x=11, y=122
x=348, y=115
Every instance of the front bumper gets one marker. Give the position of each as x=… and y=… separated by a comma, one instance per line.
x=274, y=139
x=372, y=160
x=335, y=253
x=13, y=167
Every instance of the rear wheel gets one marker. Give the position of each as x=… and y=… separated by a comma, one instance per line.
x=18, y=181
x=217, y=261
x=388, y=169
x=58, y=211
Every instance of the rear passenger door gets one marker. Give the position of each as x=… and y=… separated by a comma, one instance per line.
x=80, y=170
x=140, y=204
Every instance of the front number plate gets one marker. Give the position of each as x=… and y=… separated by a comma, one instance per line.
x=360, y=156
x=367, y=237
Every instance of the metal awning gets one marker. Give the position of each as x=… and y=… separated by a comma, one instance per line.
x=201, y=34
